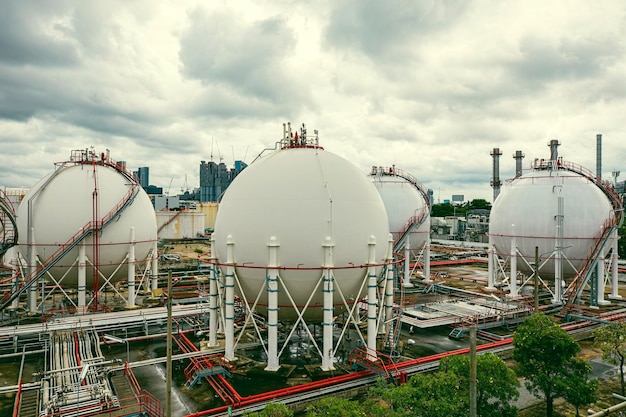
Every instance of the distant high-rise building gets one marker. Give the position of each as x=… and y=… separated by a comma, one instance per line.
x=215, y=178
x=143, y=176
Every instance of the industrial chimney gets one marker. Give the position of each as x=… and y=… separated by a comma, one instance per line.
x=554, y=151
x=518, y=156
x=495, y=178
x=599, y=156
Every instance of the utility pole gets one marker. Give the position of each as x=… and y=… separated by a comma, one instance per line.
x=168, y=367
x=472, y=375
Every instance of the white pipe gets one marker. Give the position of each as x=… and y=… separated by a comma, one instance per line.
x=513, y=278
x=372, y=299
x=82, y=278
x=614, y=267
x=229, y=316
x=130, y=303
x=32, y=263
x=427, y=260
x=389, y=288
x=213, y=296
x=327, y=324
x=272, y=307
x=491, y=255
x=407, y=266
x=558, y=257
x=600, y=276
x=154, y=270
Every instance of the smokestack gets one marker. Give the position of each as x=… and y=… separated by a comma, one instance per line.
x=554, y=152
x=599, y=156
x=518, y=156
x=495, y=178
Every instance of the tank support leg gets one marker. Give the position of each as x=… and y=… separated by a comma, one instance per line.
x=601, y=276
x=513, y=261
x=82, y=277
x=130, y=303
x=154, y=270
x=213, y=308
x=272, y=307
x=389, y=287
x=406, y=283
x=372, y=300
x=614, y=271
x=327, y=324
x=229, y=316
x=491, y=261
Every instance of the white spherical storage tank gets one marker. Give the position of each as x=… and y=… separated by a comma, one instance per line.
x=301, y=196
x=66, y=201
x=527, y=209
x=404, y=204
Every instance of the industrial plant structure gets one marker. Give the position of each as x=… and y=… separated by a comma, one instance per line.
x=306, y=250
x=558, y=221
x=86, y=226
x=301, y=235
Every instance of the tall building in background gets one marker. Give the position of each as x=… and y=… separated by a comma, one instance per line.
x=215, y=178
x=143, y=176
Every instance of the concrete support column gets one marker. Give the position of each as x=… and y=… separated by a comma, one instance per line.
x=272, y=306
x=389, y=288
x=229, y=289
x=406, y=283
x=427, y=260
x=327, y=324
x=614, y=265
x=601, y=278
x=491, y=262
x=154, y=270
x=82, y=278
x=372, y=300
x=213, y=296
x=513, y=278
x=32, y=263
x=558, y=257
x=130, y=303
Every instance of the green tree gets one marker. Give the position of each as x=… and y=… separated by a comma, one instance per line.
x=437, y=394
x=480, y=203
x=335, y=407
x=580, y=391
x=611, y=339
x=272, y=410
x=496, y=387
x=544, y=353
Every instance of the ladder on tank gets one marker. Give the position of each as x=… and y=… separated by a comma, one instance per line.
x=86, y=230
x=573, y=291
x=415, y=221
x=8, y=227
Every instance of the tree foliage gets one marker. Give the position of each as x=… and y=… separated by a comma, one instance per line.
x=545, y=356
x=272, y=410
x=580, y=391
x=496, y=387
x=611, y=339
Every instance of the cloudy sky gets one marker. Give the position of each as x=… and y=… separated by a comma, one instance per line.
x=430, y=86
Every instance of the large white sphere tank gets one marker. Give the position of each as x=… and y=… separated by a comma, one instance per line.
x=66, y=204
x=404, y=203
x=301, y=196
x=527, y=208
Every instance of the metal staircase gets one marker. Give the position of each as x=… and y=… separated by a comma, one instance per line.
x=588, y=267
x=377, y=363
x=8, y=227
x=79, y=236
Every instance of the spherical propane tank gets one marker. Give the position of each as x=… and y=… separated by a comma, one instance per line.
x=65, y=202
x=301, y=196
x=528, y=208
x=404, y=204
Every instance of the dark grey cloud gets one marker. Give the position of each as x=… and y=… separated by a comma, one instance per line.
x=36, y=33
x=385, y=30
x=249, y=59
x=542, y=62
